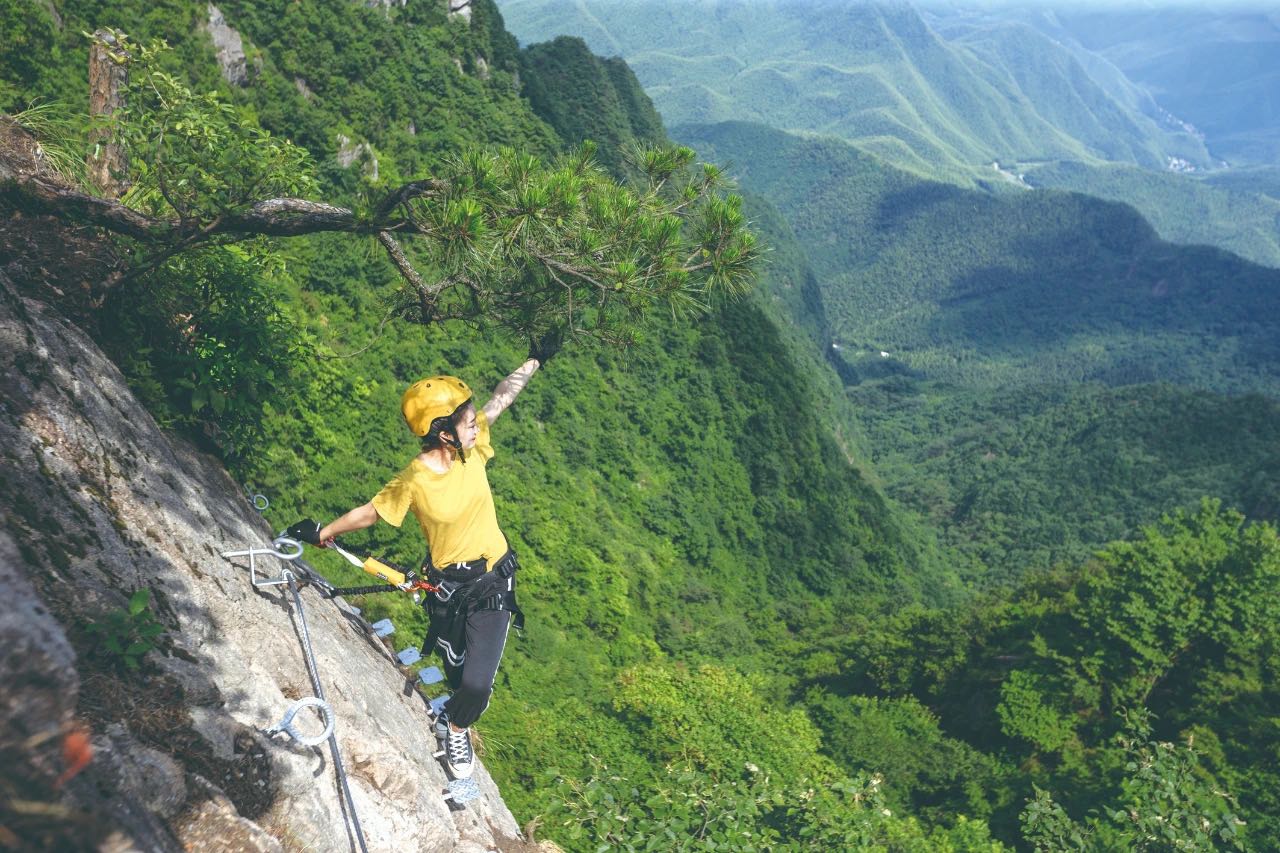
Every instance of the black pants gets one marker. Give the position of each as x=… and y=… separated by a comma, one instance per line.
x=472, y=682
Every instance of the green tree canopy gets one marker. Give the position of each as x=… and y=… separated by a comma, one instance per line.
x=496, y=236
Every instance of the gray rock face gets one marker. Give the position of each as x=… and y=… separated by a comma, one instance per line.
x=459, y=9
x=141, y=774
x=229, y=47
x=350, y=153
x=48, y=6
x=97, y=502
x=34, y=652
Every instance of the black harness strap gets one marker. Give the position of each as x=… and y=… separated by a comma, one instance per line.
x=448, y=617
x=361, y=590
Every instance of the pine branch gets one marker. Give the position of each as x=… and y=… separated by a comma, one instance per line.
x=427, y=293
x=276, y=217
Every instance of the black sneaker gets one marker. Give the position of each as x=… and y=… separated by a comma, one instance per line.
x=458, y=755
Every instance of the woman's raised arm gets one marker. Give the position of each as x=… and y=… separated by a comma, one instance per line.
x=508, y=389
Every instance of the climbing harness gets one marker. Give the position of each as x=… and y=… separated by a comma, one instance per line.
x=289, y=576
x=465, y=588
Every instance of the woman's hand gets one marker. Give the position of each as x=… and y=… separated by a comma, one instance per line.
x=545, y=346
x=306, y=530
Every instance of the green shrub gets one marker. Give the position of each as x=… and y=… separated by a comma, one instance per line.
x=124, y=636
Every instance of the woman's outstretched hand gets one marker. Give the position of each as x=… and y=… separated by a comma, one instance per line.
x=304, y=531
x=546, y=345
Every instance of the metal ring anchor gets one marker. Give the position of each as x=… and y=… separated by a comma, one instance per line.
x=286, y=725
x=275, y=551
x=289, y=549
x=260, y=502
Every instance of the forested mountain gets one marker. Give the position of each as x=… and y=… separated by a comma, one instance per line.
x=1017, y=478
x=1000, y=290
x=736, y=639
x=999, y=97
x=958, y=319
x=1235, y=210
x=874, y=74
x=681, y=504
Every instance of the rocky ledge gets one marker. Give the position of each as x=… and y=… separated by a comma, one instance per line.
x=98, y=502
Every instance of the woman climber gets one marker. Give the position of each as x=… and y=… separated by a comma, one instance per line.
x=446, y=488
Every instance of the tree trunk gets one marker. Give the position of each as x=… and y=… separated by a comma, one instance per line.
x=108, y=75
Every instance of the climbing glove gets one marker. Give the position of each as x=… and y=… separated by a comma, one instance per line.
x=544, y=346
x=304, y=531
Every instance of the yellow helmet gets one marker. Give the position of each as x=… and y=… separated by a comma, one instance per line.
x=431, y=398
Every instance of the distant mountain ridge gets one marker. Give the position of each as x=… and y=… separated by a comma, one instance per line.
x=1231, y=210
x=1218, y=69
x=874, y=74
x=997, y=99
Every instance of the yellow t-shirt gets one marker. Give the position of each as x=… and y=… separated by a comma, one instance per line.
x=455, y=509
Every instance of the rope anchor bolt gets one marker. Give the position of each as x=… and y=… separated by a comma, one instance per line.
x=286, y=724
x=283, y=542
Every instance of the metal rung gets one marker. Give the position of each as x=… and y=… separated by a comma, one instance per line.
x=280, y=542
x=437, y=704
x=409, y=655
x=384, y=628
x=430, y=675
x=463, y=790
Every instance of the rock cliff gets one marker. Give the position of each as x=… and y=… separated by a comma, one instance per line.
x=97, y=503
x=229, y=47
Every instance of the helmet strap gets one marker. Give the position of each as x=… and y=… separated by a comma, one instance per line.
x=456, y=444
